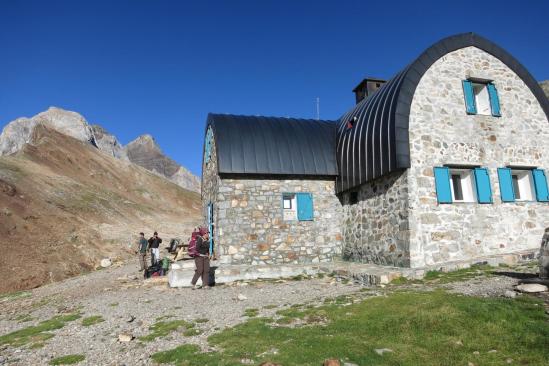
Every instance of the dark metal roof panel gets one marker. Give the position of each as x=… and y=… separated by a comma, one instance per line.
x=270, y=145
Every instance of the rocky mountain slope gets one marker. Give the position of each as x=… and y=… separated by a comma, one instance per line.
x=143, y=151
x=65, y=205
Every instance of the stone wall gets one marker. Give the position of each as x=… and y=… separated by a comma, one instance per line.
x=442, y=133
x=251, y=229
x=375, y=229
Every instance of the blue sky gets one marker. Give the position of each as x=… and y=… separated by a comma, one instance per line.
x=159, y=67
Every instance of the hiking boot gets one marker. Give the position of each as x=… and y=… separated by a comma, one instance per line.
x=196, y=287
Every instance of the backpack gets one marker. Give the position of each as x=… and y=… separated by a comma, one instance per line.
x=193, y=252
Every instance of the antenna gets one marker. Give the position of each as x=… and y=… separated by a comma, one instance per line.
x=317, y=108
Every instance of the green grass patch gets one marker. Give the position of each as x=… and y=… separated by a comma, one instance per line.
x=422, y=328
x=91, y=320
x=464, y=274
x=67, y=360
x=201, y=320
x=251, y=312
x=192, y=332
x=23, y=318
x=14, y=295
x=114, y=304
x=38, y=333
x=164, y=328
x=272, y=306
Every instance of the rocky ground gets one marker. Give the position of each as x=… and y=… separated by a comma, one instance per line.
x=129, y=306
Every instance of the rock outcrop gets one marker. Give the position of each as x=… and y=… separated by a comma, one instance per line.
x=108, y=143
x=143, y=151
x=19, y=132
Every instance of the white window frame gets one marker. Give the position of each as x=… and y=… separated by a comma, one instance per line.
x=525, y=183
x=467, y=184
x=289, y=214
x=482, y=98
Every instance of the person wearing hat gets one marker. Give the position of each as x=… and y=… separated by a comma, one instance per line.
x=202, y=261
x=154, y=244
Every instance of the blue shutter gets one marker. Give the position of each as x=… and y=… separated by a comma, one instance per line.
x=494, y=100
x=506, y=185
x=540, y=181
x=442, y=184
x=469, y=95
x=304, y=206
x=482, y=182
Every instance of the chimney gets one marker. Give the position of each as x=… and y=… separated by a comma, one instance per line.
x=367, y=87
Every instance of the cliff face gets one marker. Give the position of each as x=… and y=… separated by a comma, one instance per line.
x=108, y=143
x=143, y=151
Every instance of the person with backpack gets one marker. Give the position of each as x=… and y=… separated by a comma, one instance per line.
x=202, y=261
x=142, y=246
x=154, y=244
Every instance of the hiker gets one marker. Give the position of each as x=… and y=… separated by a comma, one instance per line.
x=142, y=246
x=202, y=261
x=154, y=244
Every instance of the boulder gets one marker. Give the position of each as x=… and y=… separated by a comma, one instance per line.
x=241, y=297
x=106, y=262
x=531, y=288
x=125, y=337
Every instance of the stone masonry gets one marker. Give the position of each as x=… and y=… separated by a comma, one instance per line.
x=442, y=133
x=375, y=229
x=249, y=225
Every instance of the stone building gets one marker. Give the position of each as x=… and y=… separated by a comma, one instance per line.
x=444, y=162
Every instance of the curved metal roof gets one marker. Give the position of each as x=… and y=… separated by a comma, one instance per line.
x=378, y=144
x=270, y=145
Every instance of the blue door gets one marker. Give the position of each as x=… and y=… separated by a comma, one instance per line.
x=211, y=225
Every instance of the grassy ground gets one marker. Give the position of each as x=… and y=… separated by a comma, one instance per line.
x=419, y=328
x=91, y=320
x=36, y=335
x=67, y=360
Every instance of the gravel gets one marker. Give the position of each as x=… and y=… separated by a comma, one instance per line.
x=118, y=294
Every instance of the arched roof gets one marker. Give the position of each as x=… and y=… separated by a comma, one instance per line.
x=271, y=145
x=378, y=144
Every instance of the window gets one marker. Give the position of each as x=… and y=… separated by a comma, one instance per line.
x=462, y=185
x=481, y=97
x=297, y=206
x=523, y=185
x=482, y=100
x=288, y=201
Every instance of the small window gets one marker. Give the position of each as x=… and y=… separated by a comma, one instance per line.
x=462, y=183
x=289, y=206
x=288, y=202
x=482, y=98
x=523, y=185
x=297, y=206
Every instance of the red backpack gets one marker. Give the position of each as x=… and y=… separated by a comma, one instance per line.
x=193, y=252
